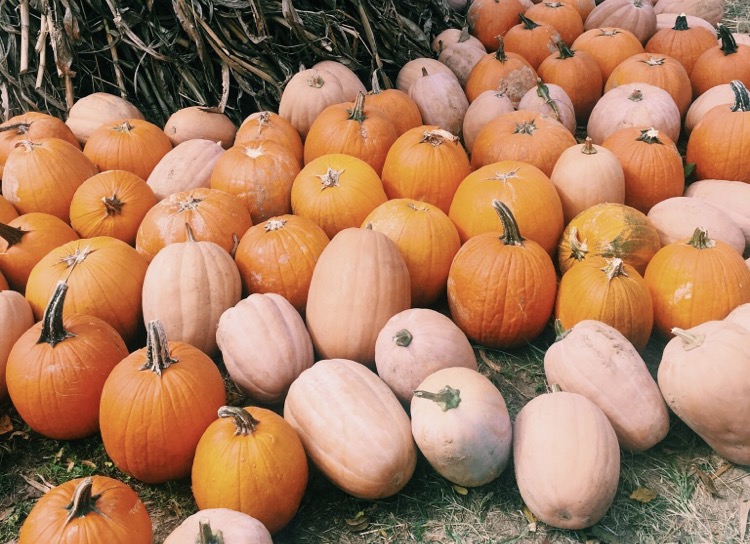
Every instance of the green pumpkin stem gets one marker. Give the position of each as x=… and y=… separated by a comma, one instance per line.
x=588, y=147
x=542, y=91
x=158, y=358
x=447, y=398
x=53, y=331
x=511, y=235
x=560, y=330
x=528, y=23
x=700, y=239
x=500, y=53
x=207, y=535
x=741, y=96
x=12, y=235
x=357, y=113
x=728, y=43
x=681, y=23
x=614, y=268
x=83, y=502
x=243, y=419
x=690, y=340
x=565, y=51
x=402, y=338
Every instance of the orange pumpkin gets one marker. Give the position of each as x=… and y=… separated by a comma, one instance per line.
x=488, y=19
x=608, y=46
x=682, y=42
x=563, y=17
x=532, y=39
x=90, y=112
x=721, y=64
x=200, y=122
x=16, y=316
x=501, y=70
x=267, y=125
x=187, y=166
x=8, y=211
x=396, y=105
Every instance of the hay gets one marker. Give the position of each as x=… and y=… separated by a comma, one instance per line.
x=164, y=55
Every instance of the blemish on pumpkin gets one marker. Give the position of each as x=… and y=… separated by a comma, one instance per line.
x=684, y=292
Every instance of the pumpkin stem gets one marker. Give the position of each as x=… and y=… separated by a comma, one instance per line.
x=741, y=96
x=542, y=91
x=690, y=340
x=83, y=502
x=728, y=43
x=20, y=128
x=700, y=239
x=207, y=535
x=53, y=330
x=375, y=83
x=316, y=81
x=436, y=137
x=527, y=127
x=681, y=22
x=555, y=388
x=190, y=203
x=636, y=95
x=12, y=235
x=650, y=136
x=112, y=205
x=402, y=338
x=565, y=51
x=274, y=224
x=357, y=113
x=528, y=23
x=235, y=244
x=243, y=420
x=500, y=53
x=560, y=331
x=588, y=147
x=330, y=178
x=447, y=398
x=511, y=235
x=125, y=126
x=464, y=34
x=654, y=61
x=614, y=268
x=158, y=358
x=190, y=234
x=28, y=145
x=578, y=249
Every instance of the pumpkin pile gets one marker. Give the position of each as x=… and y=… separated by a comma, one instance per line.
x=344, y=255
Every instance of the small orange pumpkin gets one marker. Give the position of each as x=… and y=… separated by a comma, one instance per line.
x=533, y=40
x=267, y=125
x=721, y=64
x=609, y=46
x=562, y=16
x=501, y=70
x=396, y=105
x=488, y=19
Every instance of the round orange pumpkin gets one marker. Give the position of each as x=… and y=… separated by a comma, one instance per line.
x=609, y=46
x=682, y=42
x=267, y=125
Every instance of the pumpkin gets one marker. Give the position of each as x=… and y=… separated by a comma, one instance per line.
x=488, y=19
x=609, y=46
x=607, y=286
x=105, y=276
x=199, y=122
x=694, y=281
x=425, y=163
x=740, y=315
x=210, y=524
x=461, y=425
x=597, y=361
x=260, y=174
x=88, y=511
x=501, y=288
x=730, y=196
x=451, y=36
x=703, y=376
x=90, y=112
x=608, y=229
x=715, y=96
x=587, y=174
x=252, y=461
x=525, y=189
x=267, y=125
x=8, y=211
x=711, y=11
x=57, y=369
x=502, y=70
x=187, y=166
x=716, y=145
x=562, y=16
x=111, y=203
x=415, y=343
x=484, y=108
x=584, y=7
x=350, y=129
x=550, y=100
x=336, y=192
x=532, y=39
x=337, y=399
x=441, y=100
x=461, y=58
x=25, y=240
x=414, y=70
x=149, y=426
x=42, y=176
x=308, y=93
x=279, y=255
x=349, y=80
x=134, y=145
x=187, y=287
x=682, y=42
x=264, y=369
x=16, y=315
x=634, y=105
x=360, y=281
x=651, y=163
x=636, y=16
x=567, y=459
x=668, y=20
x=394, y=104
x=213, y=215
x=721, y=64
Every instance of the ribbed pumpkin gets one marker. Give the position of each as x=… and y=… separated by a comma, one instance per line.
x=450, y=36
x=279, y=255
x=488, y=19
x=441, y=100
x=461, y=59
x=188, y=285
x=267, y=125
x=501, y=70
x=609, y=46
x=199, y=122
x=711, y=11
x=695, y=281
x=721, y=64
x=396, y=105
x=550, y=100
x=307, y=94
x=88, y=511
x=188, y=166
x=260, y=174
x=57, y=369
x=636, y=16
x=17, y=318
x=501, y=288
x=336, y=399
x=610, y=230
x=427, y=240
x=252, y=461
x=416, y=68
x=484, y=108
x=261, y=368
x=25, y=240
x=8, y=212
x=96, y=109
x=562, y=16
x=595, y=360
x=213, y=215
x=360, y=281
x=337, y=192
x=525, y=189
x=608, y=291
x=532, y=39
x=105, y=276
x=150, y=427
x=42, y=176
x=111, y=203
x=134, y=145
x=425, y=163
x=682, y=42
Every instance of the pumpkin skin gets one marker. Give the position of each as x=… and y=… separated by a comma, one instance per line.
x=26, y=240
x=337, y=399
x=234, y=527
x=149, y=426
x=226, y=472
x=263, y=369
x=501, y=288
x=461, y=425
x=567, y=459
x=609, y=46
x=59, y=367
x=267, y=125
x=506, y=71
x=441, y=100
x=414, y=70
x=42, y=176
x=128, y=144
x=740, y=315
x=17, y=318
x=87, y=511
x=721, y=64
x=550, y=100
x=396, y=105
x=415, y=343
x=484, y=108
x=607, y=286
x=96, y=109
x=198, y=122
x=8, y=211
x=450, y=36
x=563, y=17
x=636, y=16
x=488, y=19
x=595, y=360
x=111, y=203
x=728, y=195
x=461, y=58
x=188, y=166
x=695, y=281
x=532, y=39
x=682, y=42
x=712, y=11
x=360, y=281
x=307, y=94
x=715, y=96
x=703, y=375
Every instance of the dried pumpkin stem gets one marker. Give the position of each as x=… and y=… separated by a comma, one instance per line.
x=500, y=53
x=207, y=535
x=447, y=398
x=614, y=268
x=700, y=239
x=158, y=358
x=465, y=35
x=357, y=113
x=53, y=330
x=690, y=340
x=560, y=330
x=437, y=137
x=83, y=502
x=650, y=136
x=330, y=178
x=20, y=128
x=588, y=147
x=190, y=233
x=578, y=249
x=402, y=338
x=511, y=235
x=125, y=126
x=112, y=205
x=274, y=224
x=12, y=235
x=528, y=23
x=636, y=95
x=375, y=83
x=243, y=420
x=741, y=96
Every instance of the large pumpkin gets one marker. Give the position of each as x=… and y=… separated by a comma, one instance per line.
x=441, y=100
x=682, y=42
x=491, y=18
x=96, y=109
x=532, y=39
x=609, y=46
x=267, y=125
x=721, y=64
x=396, y=105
